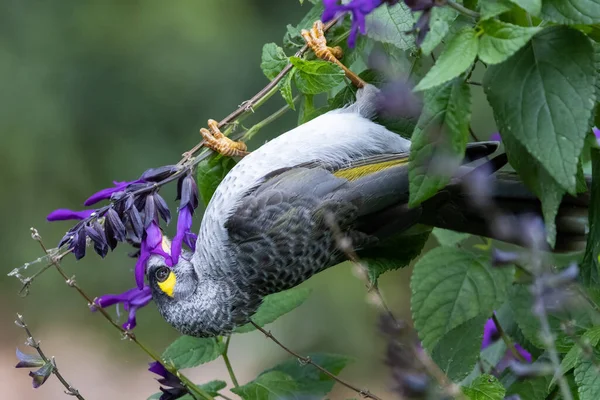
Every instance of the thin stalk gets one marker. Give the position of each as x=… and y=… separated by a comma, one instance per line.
x=509, y=344
x=249, y=134
x=228, y=363
x=463, y=10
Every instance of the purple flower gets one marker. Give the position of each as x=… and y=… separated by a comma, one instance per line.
x=108, y=192
x=496, y=137
x=152, y=243
x=132, y=300
x=491, y=335
x=359, y=10
x=596, y=132
x=175, y=389
x=187, y=193
x=64, y=214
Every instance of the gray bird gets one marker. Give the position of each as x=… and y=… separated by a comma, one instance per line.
x=277, y=217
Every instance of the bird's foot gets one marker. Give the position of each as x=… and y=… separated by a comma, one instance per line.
x=316, y=41
x=215, y=140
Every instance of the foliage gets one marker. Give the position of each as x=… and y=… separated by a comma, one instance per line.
x=540, y=77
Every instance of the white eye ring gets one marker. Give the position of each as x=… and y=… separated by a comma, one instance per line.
x=162, y=274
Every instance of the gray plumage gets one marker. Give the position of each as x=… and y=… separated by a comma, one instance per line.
x=273, y=222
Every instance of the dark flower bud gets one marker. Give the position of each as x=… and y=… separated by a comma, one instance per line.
x=79, y=244
x=150, y=214
x=29, y=360
x=96, y=234
x=162, y=207
x=175, y=389
x=114, y=228
x=135, y=221
x=159, y=174
x=41, y=375
x=187, y=191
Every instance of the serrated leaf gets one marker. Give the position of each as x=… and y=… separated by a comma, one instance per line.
x=580, y=315
x=276, y=305
x=310, y=380
x=571, y=11
x=441, y=18
x=313, y=77
x=574, y=356
x=390, y=24
x=451, y=286
x=457, y=351
x=587, y=378
x=273, y=60
x=543, y=97
x=457, y=57
x=485, y=387
x=530, y=389
x=210, y=172
x=273, y=385
x=439, y=140
x=292, y=40
x=590, y=266
x=394, y=252
x=491, y=8
x=449, y=238
x=533, y=7
x=188, y=351
x=501, y=40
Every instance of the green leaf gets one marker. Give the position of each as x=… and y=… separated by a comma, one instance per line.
x=273, y=385
x=449, y=238
x=439, y=140
x=273, y=60
x=389, y=24
x=574, y=356
x=307, y=110
x=491, y=8
x=285, y=88
x=587, y=378
x=571, y=11
x=293, y=40
x=581, y=316
x=533, y=7
x=310, y=380
x=210, y=172
x=530, y=389
x=543, y=97
x=276, y=305
x=441, y=18
x=394, y=252
x=188, y=351
x=458, y=350
x=451, y=286
x=313, y=77
x=590, y=267
x=485, y=387
x=457, y=57
x=501, y=40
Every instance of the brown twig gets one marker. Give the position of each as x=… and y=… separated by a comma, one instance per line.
x=306, y=360
x=194, y=390
x=70, y=390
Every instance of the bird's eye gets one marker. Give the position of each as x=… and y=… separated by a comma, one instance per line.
x=162, y=274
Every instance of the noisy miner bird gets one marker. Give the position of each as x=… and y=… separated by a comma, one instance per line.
x=278, y=216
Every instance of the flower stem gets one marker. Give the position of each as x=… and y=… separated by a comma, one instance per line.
x=228, y=363
x=194, y=390
x=463, y=10
x=249, y=134
x=509, y=344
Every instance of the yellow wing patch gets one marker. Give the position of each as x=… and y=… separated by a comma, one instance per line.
x=168, y=285
x=354, y=173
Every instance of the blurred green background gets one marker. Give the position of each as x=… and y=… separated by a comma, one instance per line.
x=98, y=91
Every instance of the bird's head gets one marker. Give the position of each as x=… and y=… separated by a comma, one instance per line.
x=173, y=288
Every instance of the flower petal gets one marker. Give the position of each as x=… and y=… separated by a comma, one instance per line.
x=64, y=214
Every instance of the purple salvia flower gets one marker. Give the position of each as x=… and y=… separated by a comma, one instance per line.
x=188, y=196
x=41, y=375
x=496, y=137
x=359, y=10
x=190, y=240
x=174, y=387
x=64, y=214
x=491, y=335
x=152, y=243
x=596, y=133
x=108, y=192
x=29, y=360
x=132, y=300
